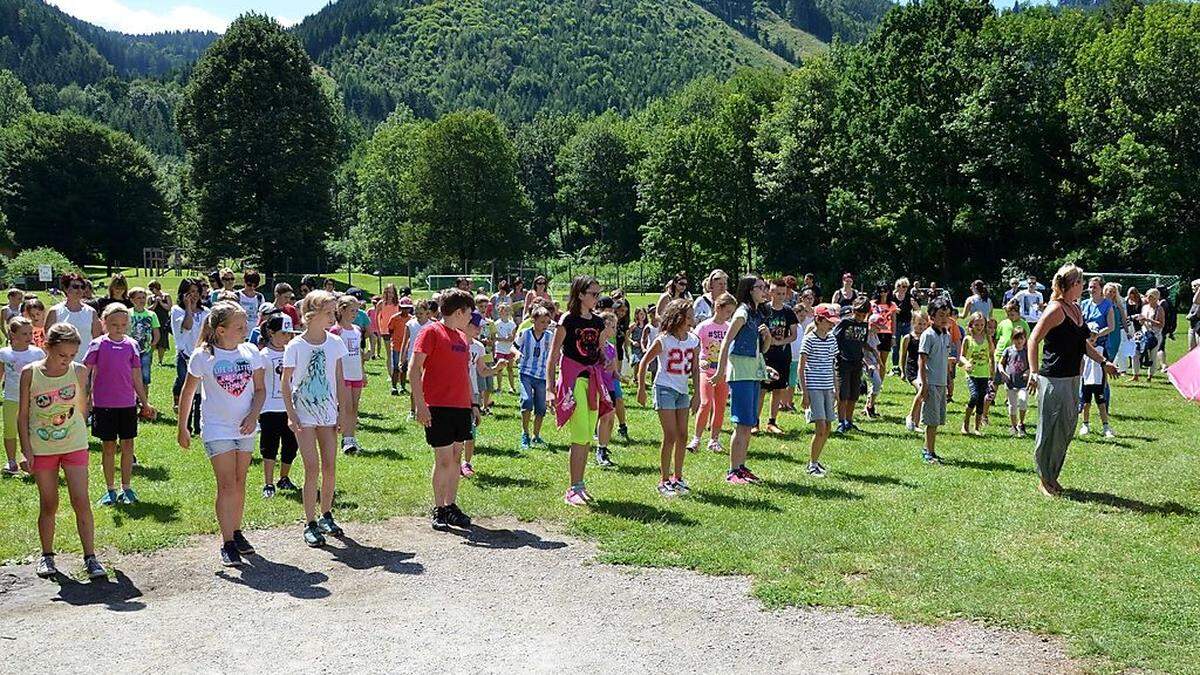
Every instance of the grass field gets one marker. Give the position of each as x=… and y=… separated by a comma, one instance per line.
x=1114, y=566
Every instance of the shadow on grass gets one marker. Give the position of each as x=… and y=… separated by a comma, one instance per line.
x=733, y=502
x=484, y=537
x=871, y=479
x=634, y=469
x=383, y=453
x=1127, y=503
x=779, y=456
x=154, y=473
x=641, y=513
x=811, y=490
x=984, y=466
x=359, y=557
x=159, y=513
x=268, y=576
x=116, y=593
x=497, y=452
x=380, y=429
x=487, y=481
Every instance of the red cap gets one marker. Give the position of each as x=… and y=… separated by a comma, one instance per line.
x=827, y=312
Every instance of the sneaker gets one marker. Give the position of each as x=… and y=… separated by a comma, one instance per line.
x=1012, y=431
x=623, y=432
x=715, y=446
x=749, y=475
x=930, y=457
x=230, y=556
x=851, y=426
x=439, y=521
x=456, y=517
x=327, y=525
x=128, y=496
x=136, y=462
x=539, y=443
x=816, y=470
x=841, y=427
x=286, y=483
x=108, y=499
x=666, y=488
x=45, y=566
x=735, y=477
x=239, y=541
x=1108, y=432
x=350, y=448
x=603, y=460
x=466, y=470
x=268, y=491
x=11, y=470
x=93, y=567
x=587, y=496
x=681, y=486
x=1024, y=433
x=313, y=536
x=910, y=424
x=525, y=442
x=395, y=391
x=1084, y=430
x=694, y=444
x=574, y=497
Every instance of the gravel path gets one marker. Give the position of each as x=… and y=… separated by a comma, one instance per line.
x=507, y=597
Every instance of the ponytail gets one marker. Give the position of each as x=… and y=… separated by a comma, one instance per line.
x=220, y=315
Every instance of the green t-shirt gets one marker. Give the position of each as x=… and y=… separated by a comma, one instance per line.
x=977, y=353
x=141, y=328
x=1004, y=331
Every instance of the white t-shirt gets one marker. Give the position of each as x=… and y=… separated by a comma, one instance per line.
x=477, y=352
x=226, y=389
x=273, y=379
x=82, y=320
x=675, y=361
x=1093, y=373
x=702, y=308
x=414, y=328
x=1031, y=305
x=506, y=332
x=801, y=329
x=186, y=341
x=314, y=380
x=352, y=367
x=14, y=361
x=253, y=304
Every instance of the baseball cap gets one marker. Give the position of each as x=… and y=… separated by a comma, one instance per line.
x=476, y=319
x=280, y=323
x=406, y=303
x=827, y=312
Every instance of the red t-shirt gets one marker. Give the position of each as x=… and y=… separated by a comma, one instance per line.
x=447, y=359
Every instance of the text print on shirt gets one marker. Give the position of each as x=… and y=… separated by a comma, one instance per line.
x=679, y=361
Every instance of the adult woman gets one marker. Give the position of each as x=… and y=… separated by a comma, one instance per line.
x=845, y=295
x=1194, y=317
x=118, y=292
x=715, y=285
x=1055, y=378
x=979, y=301
x=1123, y=333
x=1153, y=319
x=541, y=289
x=675, y=289
x=160, y=304
x=905, y=304
x=73, y=311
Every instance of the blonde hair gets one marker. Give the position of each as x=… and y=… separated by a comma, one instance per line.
x=137, y=289
x=344, y=303
x=1112, y=287
x=18, y=322
x=725, y=299
x=715, y=274
x=114, y=308
x=1153, y=293
x=315, y=302
x=221, y=313
x=1064, y=279
x=62, y=334
x=976, y=316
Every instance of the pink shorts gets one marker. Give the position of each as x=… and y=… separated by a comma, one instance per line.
x=53, y=462
x=356, y=384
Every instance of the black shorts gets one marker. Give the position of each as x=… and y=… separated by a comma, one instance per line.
x=448, y=426
x=1093, y=392
x=885, y=343
x=110, y=424
x=276, y=436
x=782, y=363
x=850, y=380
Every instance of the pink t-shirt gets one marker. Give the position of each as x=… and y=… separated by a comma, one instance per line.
x=112, y=363
x=711, y=335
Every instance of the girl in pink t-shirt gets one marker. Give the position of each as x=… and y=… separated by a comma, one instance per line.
x=711, y=415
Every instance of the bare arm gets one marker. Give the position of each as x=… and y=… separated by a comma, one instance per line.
x=256, y=404
x=416, y=377
x=185, y=410
x=552, y=362
x=23, y=416
x=647, y=359
x=719, y=376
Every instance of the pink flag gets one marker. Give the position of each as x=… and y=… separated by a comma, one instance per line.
x=1185, y=375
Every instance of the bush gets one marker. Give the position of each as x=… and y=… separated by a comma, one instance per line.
x=26, y=263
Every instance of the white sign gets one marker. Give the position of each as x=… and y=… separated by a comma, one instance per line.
x=45, y=273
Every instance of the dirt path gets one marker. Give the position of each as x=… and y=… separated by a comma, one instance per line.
x=509, y=597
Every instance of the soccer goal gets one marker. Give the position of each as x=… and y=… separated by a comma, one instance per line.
x=1140, y=281
x=440, y=282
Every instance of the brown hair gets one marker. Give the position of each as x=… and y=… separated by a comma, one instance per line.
x=675, y=316
x=62, y=334
x=578, y=287
x=455, y=299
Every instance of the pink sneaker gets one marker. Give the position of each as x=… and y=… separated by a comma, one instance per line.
x=749, y=476
x=735, y=477
x=466, y=470
x=575, y=497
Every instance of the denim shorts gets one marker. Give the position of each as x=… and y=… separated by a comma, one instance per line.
x=214, y=448
x=616, y=392
x=821, y=406
x=147, y=363
x=666, y=398
x=533, y=394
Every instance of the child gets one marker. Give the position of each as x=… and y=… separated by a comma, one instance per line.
x=187, y=319
x=781, y=319
x=1014, y=366
x=580, y=398
x=412, y=331
x=53, y=407
x=741, y=363
x=144, y=329
x=314, y=393
x=851, y=336
x=479, y=374
x=872, y=368
x=711, y=414
x=13, y=359
x=978, y=361
x=352, y=368
x=249, y=298
x=506, y=331
x=441, y=391
x=35, y=311
x=648, y=335
x=533, y=350
x=160, y=304
x=278, y=440
x=229, y=372
x=818, y=381
x=933, y=362
x=636, y=331
x=909, y=353
x=804, y=320
x=677, y=350
x=114, y=369
x=283, y=301
x=612, y=384
x=1093, y=390
x=486, y=338
x=13, y=309
x=399, y=336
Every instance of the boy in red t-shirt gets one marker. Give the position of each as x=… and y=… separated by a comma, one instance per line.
x=441, y=393
x=397, y=328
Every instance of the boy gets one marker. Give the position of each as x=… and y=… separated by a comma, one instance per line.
x=533, y=349
x=396, y=328
x=1094, y=390
x=781, y=320
x=1014, y=368
x=932, y=363
x=851, y=336
x=283, y=302
x=441, y=393
x=478, y=374
x=249, y=298
x=506, y=330
x=818, y=382
x=144, y=329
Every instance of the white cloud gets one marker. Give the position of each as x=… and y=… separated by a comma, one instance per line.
x=115, y=15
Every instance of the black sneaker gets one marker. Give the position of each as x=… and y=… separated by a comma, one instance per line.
x=440, y=522
x=93, y=567
x=603, y=460
x=455, y=516
x=286, y=483
x=313, y=536
x=623, y=432
x=230, y=556
x=327, y=526
x=395, y=391
x=268, y=491
x=243, y=547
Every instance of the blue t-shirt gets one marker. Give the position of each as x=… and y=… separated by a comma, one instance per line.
x=1095, y=316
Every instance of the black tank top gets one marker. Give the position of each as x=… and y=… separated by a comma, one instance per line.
x=1063, y=349
x=903, y=307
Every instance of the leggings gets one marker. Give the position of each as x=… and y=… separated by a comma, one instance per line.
x=978, y=387
x=181, y=373
x=712, y=402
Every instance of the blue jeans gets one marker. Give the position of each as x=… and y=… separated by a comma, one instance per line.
x=181, y=373
x=533, y=394
x=902, y=328
x=147, y=363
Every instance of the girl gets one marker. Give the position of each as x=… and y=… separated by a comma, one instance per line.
x=711, y=414
x=387, y=307
x=873, y=364
x=612, y=384
x=187, y=319
x=886, y=310
x=1133, y=308
x=506, y=333
x=352, y=368
x=73, y=311
x=636, y=331
x=909, y=354
x=277, y=437
x=741, y=363
x=13, y=358
x=579, y=398
x=114, y=370
x=229, y=371
x=53, y=434
x=160, y=304
x=677, y=350
x=314, y=391
x=980, y=301
x=804, y=319
x=675, y=289
x=978, y=361
x=35, y=311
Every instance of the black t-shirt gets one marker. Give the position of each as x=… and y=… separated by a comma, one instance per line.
x=904, y=308
x=779, y=322
x=582, y=340
x=851, y=335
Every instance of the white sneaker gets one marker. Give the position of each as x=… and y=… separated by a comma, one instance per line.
x=693, y=444
x=1012, y=431
x=910, y=424
x=1084, y=430
x=1108, y=432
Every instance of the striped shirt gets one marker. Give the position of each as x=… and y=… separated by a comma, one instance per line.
x=820, y=353
x=534, y=353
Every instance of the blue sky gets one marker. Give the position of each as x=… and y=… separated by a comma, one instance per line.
x=148, y=16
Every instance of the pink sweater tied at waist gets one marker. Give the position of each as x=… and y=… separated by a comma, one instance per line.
x=598, y=397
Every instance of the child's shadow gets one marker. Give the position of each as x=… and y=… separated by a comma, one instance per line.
x=271, y=577
x=116, y=595
x=358, y=557
x=483, y=537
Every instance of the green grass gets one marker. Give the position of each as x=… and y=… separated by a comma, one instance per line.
x=1114, y=567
